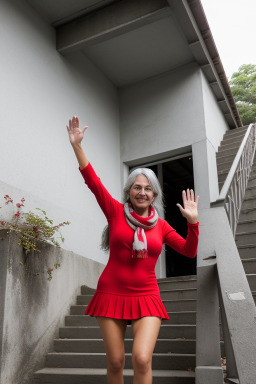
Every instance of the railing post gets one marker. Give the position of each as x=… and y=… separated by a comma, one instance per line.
x=208, y=355
x=231, y=368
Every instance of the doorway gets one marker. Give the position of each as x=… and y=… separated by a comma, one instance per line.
x=175, y=175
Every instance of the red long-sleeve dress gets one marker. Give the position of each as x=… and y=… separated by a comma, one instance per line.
x=127, y=287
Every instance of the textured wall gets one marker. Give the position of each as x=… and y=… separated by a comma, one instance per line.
x=33, y=308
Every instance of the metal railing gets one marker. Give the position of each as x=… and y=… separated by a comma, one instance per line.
x=233, y=190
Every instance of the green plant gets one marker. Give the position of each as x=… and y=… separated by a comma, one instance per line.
x=32, y=228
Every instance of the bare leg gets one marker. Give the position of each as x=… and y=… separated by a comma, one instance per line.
x=113, y=333
x=145, y=332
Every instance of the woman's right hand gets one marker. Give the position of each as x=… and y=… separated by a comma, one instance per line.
x=75, y=133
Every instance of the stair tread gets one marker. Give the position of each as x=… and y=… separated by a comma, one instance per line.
x=245, y=233
x=177, y=278
x=96, y=326
x=247, y=221
x=171, y=313
x=103, y=371
x=158, y=340
x=126, y=353
x=246, y=246
x=166, y=290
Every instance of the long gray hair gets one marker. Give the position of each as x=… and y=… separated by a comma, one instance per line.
x=158, y=203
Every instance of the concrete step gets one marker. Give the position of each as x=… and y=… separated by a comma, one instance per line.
x=98, y=360
x=244, y=238
x=179, y=294
x=249, y=266
x=85, y=290
x=222, y=177
x=179, y=345
x=97, y=345
x=227, y=152
x=252, y=281
x=235, y=144
x=231, y=139
x=177, y=284
x=250, y=192
x=98, y=376
x=225, y=159
x=220, y=185
x=224, y=166
x=188, y=317
x=251, y=182
x=176, y=278
x=170, y=331
x=246, y=226
x=247, y=251
x=249, y=202
x=236, y=131
x=247, y=214
x=170, y=305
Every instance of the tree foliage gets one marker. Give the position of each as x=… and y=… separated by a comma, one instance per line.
x=243, y=86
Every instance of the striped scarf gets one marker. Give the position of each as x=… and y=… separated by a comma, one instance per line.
x=139, y=224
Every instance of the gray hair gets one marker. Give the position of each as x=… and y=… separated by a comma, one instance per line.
x=158, y=203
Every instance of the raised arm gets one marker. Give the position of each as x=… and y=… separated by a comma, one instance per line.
x=75, y=137
x=107, y=203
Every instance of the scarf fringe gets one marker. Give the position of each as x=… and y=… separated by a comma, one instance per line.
x=140, y=254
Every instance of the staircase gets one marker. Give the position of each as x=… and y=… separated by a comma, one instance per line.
x=79, y=355
x=246, y=230
x=227, y=151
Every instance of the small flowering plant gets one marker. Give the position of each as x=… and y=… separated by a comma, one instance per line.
x=31, y=227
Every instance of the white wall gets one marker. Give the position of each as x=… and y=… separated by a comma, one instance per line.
x=215, y=128
x=162, y=113
x=40, y=91
x=215, y=123
x=176, y=110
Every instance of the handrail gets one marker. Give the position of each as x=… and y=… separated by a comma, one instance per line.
x=233, y=190
x=228, y=181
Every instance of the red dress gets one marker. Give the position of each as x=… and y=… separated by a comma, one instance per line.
x=127, y=287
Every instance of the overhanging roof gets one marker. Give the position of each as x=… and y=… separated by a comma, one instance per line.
x=130, y=40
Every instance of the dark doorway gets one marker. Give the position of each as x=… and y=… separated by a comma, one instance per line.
x=176, y=175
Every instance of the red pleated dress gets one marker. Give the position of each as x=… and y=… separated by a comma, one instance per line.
x=127, y=288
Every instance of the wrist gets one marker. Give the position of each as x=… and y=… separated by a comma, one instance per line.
x=77, y=145
x=192, y=221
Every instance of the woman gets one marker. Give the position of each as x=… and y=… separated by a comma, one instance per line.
x=127, y=290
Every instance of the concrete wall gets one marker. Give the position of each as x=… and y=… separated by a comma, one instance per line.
x=215, y=123
x=161, y=114
x=215, y=128
x=33, y=308
x=40, y=91
x=170, y=114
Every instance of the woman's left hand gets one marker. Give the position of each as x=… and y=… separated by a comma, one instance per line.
x=189, y=209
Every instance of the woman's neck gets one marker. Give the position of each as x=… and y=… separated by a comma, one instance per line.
x=143, y=212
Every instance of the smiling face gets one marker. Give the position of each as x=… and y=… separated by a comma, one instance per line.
x=141, y=195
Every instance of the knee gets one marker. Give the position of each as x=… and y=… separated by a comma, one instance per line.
x=141, y=363
x=116, y=364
